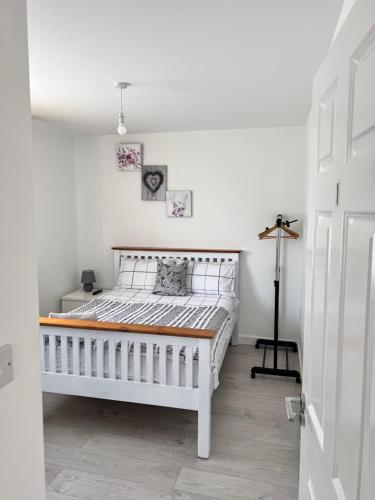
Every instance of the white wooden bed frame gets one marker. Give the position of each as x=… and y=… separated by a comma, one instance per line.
x=137, y=391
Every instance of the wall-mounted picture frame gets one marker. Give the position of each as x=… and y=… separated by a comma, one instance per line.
x=129, y=157
x=154, y=182
x=179, y=203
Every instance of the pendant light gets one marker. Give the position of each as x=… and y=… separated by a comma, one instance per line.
x=121, y=129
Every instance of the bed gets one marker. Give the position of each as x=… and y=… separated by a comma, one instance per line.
x=146, y=348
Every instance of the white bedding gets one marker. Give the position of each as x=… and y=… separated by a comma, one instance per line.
x=191, y=300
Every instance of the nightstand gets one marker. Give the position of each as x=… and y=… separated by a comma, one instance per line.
x=77, y=299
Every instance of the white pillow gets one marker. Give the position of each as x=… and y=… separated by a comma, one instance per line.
x=211, y=278
x=138, y=274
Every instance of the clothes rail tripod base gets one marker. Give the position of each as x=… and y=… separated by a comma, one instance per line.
x=275, y=342
x=281, y=343
x=281, y=372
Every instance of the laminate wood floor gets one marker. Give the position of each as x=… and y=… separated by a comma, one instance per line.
x=98, y=450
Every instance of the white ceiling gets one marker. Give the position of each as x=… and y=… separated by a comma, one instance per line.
x=193, y=64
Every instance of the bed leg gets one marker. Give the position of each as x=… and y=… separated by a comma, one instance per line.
x=235, y=335
x=204, y=409
x=204, y=432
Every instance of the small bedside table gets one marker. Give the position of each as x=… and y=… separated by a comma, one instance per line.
x=77, y=299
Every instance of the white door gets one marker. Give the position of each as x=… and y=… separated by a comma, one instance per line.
x=338, y=440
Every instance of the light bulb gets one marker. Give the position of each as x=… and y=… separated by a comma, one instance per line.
x=121, y=124
x=122, y=129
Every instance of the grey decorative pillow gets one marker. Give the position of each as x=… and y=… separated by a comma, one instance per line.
x=171, y=277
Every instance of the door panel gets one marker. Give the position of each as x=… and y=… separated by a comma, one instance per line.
x=367, y=486
x=362, y=113
x=326, y=146
x=321, y=266
x=338, y=440
x=310, y=490
x=358, y=270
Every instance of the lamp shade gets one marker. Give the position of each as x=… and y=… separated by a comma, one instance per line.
x=88, y=276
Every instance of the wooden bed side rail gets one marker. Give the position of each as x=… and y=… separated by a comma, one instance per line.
x=172, y=331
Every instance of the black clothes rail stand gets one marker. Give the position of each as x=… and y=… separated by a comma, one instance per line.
x=276, y=343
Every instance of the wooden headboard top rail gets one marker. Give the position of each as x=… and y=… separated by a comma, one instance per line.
x=166, y=249
x=172, y=331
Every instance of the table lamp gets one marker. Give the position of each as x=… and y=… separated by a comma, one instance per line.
x=88, y=278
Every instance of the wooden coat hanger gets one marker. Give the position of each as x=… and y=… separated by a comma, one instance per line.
x=266, y=234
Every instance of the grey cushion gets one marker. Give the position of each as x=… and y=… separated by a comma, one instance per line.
x=171, y=277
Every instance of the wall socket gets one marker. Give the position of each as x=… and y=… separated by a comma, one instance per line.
x=6, y=364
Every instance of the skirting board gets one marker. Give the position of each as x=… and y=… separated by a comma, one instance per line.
x=242, y=339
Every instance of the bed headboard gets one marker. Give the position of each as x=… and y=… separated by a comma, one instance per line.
x=193, y=254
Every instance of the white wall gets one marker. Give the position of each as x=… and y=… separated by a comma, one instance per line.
x=241, y=179
x=56, y=214
x=21, y=444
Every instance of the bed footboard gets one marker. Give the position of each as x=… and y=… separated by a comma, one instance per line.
x=96, y=363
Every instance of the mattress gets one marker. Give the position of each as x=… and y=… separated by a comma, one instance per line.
x=142, y=307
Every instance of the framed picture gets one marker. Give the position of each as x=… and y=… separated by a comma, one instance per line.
x=154, y=182
x=179, y=203
x=129, y=157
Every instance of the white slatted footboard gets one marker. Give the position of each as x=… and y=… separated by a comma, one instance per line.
x=97, y=364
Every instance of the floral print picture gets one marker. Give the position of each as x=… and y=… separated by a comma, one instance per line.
x=179, y=204
x=129, y=157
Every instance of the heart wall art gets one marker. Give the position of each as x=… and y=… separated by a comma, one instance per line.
x=154, y=182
